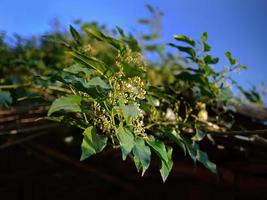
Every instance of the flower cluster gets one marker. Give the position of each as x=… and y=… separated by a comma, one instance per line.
x=129, y=57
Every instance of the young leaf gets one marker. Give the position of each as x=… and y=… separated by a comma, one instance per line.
x=165, y=169
x=185, y=39
x=92, y=143
x=142, y=155
x=126, y=140
x=71, y=103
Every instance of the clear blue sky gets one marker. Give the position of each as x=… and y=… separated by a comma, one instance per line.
x=239, y=26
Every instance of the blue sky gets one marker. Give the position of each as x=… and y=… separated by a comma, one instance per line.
x=239, y=26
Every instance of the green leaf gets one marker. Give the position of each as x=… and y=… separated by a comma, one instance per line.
x=75, y=35
x=121, y=32
x=5, y=98
x=175, y=137
x=159, y=148
x=199, y=135
x=197, y=155
x=166, y=168
x=126, y=140
x=144, y=21
x=96, y=81
x=190, y=51
x=137, y=163
x=129, y=111
x=71, y=103
x=150, y=36
x=92, y=143
x=101, y=37
x=142, y=155
x=204, y=38
x=130, y=41
x=150, y=8
x=210, y=60
x=76, y=69
x=55, y=39
x=230, y=58
x=90, y=62
x=185, y=39
x=242, y=66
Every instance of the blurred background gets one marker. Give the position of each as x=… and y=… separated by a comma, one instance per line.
x=237, y=26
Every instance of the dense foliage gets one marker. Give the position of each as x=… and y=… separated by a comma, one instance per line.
x=101, y=82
